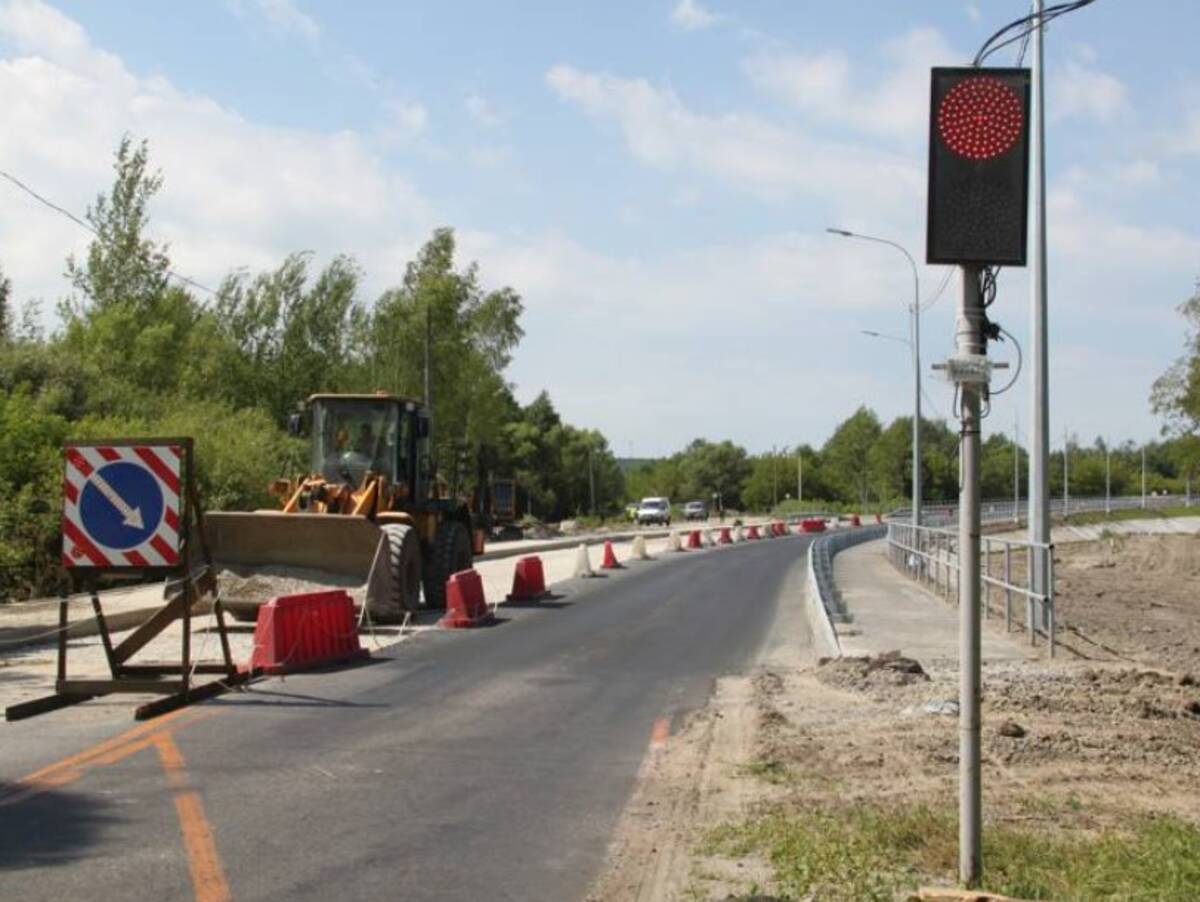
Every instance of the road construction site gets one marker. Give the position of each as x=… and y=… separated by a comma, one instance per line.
x=664, y=730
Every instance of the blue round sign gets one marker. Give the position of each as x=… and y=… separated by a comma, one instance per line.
x=121, y=505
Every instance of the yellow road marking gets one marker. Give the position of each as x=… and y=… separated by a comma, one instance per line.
x=208, y=877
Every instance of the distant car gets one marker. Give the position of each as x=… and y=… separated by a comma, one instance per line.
x=654, y=510
x=695, y=510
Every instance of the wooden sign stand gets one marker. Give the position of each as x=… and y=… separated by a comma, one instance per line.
x=175, y=681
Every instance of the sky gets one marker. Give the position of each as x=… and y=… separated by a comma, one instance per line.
x=654, y=178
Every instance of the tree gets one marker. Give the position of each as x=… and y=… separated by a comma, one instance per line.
x=847, y=453
x=1175, y=395
x=472, y=334
x=714, y=469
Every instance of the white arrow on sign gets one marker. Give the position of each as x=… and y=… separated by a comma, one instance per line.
x=132, y=517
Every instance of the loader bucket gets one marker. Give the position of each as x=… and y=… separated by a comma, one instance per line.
x=258, y=556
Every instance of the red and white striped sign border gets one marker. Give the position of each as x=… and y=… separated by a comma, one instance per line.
x=161, y=549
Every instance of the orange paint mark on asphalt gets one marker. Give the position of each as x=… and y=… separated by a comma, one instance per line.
x=110, y=751
x=658, y=735
x=208, y=877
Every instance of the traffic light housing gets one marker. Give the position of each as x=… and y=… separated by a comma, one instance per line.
x=978, y=166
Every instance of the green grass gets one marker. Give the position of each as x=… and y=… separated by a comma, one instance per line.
x=769, y=770
x=1087, y=518
x=874, y=852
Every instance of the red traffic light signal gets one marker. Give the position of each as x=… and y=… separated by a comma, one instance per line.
x=978, y=166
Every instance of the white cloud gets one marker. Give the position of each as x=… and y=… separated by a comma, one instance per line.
x=236, y=194
x=1079, y=90
x=773, y=162
x=973, y=12
x=824, y=84
x=481, y=111
x=691, y=16
x=406, y=119
x=282, y=16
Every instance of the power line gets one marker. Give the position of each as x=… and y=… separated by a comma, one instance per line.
x=1050, y=13
x=87, y=225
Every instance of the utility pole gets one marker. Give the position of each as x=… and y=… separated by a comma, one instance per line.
x=1066, y=473
x=969, y=341
x=1108, y=480
x=591, y=482
x=800, y=476
x=1016, y=471
x=774, y=477
x=1143, y=476
x=1039, y=437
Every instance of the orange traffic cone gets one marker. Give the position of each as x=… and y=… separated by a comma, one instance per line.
x=610, y=561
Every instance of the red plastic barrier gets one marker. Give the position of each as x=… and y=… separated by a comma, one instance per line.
x=298, y=631
x=529, y=580
x=694, y=539
x=465, y=604
x=752, y=532
x=855, y=520
x=879, y=518
x=813, y=524
x=610, y=561
x=780, y=528
x=724, y=538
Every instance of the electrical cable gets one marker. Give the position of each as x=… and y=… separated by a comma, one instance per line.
x=79, y=222
x=1020, y=363
x=925, y=305
x=1048, y=15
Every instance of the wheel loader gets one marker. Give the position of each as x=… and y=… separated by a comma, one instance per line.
x=370, y=512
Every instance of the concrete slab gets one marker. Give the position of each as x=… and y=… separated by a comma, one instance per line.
x=891, y=612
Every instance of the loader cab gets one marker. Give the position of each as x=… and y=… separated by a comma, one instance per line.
x=356, y=434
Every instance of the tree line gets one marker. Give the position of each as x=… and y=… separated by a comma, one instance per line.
x=140, y=351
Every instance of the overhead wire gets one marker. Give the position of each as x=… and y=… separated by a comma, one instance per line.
x=62, y=211
x=1027, y=26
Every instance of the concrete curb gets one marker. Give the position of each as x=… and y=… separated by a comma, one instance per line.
x=824, y=636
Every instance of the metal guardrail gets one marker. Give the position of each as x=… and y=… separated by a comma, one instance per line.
x=929, y=555
x=821, y=553
x=999, y=511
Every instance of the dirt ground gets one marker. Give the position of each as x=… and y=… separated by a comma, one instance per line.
x=1109, y=729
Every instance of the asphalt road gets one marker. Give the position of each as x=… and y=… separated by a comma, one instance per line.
x=483, y=764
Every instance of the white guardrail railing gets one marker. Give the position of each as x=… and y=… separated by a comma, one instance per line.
x=929, y=554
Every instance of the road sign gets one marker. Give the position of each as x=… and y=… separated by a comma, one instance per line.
x=121, y=505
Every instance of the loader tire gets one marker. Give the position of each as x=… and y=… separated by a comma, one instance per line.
x=404, y=568
x=451, y=552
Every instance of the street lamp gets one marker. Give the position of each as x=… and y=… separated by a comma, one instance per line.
x=916, y=349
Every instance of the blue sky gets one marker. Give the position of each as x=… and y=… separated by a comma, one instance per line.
x=654, y=178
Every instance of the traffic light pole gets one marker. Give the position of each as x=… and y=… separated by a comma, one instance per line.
x=1039, y=433
x=969, y=340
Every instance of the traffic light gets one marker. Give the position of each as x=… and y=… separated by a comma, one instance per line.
x=978, y=166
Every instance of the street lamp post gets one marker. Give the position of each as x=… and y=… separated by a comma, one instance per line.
x=916, y=353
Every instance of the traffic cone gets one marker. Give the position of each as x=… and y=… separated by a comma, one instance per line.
x=693, y=539
x=639, y=549
x=724, y=537
x=610, y=561
x=673, y=543
x=583, y=566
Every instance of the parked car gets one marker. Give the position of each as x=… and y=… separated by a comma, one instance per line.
x=654, y=510
x=695, y=510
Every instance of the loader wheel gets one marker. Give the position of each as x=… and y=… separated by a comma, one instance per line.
x=451, y=552
x=404, y=567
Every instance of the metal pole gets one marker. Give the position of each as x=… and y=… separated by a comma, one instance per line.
x=1039, y=437
x=916, y=437
x=1066, y=474
x=969, y=340
x=800, y=477
x=774, y=477
x=1016, y=473
x=1107, y=481
x=1143, y=476
x=592, y=482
